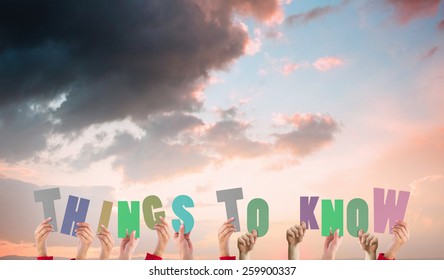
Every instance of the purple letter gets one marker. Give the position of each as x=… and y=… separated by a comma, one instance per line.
x=307, y=211
x=390, y=210
x=74, y=215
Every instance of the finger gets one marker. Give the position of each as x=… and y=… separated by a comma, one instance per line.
x=295, y=231
x=181, y=231
x=104, y=229
x=291, y=233
x=252, y=239
x=227, y=231
x=336, y=234
x=241, y=241
x=304, y=225
x=404, y=231
x=108, y=237
x=300, y=231
x=360, y=233
x=374, y=240
x=161, y=231
x=246, y=239
x=104, y=240
x=402, y=223
x=44, y=228
x=255, y=233
x=229, y=221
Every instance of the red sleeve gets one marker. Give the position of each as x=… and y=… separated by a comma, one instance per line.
x=151, y=257
x=381, y=257
x=45, y=258
x=228, y=258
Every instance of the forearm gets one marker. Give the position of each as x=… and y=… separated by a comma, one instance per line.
x=41, y=250
x=293, y=252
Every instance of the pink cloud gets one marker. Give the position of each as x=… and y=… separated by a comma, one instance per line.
x=441, y=25
x=289, y=68
x=429, y=53
x=316, y=13
x=406, y=11
x=326, y=63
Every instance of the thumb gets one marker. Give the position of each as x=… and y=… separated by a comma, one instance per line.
x=336, y=234
x=254, y=232
x=304, y=225
x=360, y=233
x=132, y=237
x=182, y=231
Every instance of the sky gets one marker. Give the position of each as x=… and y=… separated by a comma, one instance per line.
x=286, y=98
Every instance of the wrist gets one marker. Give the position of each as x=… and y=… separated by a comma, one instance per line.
x=41, y=251
x=158, y=251
x=244, y=255
x=370, y=255
x=224, y=252
x=328, y=256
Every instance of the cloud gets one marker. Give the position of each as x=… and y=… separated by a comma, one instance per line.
x=290, y=67
x=441, y=25
x=407, y=11
x=110, y=61
x=315, y=14
x=429, y=53
x=310, y=133
x=326, y=63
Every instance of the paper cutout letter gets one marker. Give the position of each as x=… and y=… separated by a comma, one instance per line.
x=74, y=215
x=179, y=204
x=230, y=198
x=258, y=216
x=105, y=215
x=357, y=216
x=390, y=210
x=149, y=204
x=47, y=197
x=128, y=220
x=332, y=219
x=308, y=205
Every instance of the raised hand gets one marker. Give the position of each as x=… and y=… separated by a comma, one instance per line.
x=184, y=244
x=246, y=243
x=295, y=235
x=331, y=245
x=128, y=246
x=106, y=242
x=41, y=234
x=401, y=235
x=163, y=236
x=85, y=235
x=224, y=234
x=369, y=243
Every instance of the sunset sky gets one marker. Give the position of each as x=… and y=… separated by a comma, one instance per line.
x=287, y=98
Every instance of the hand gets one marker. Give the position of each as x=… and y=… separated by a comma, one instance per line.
x=246, y=243
x=128, y=246
x=369, y=243
x=331, y=245
x=106, y=242
x=163, y=235
x=295, y=235
x=183, y=241
x=86, y=237
x=401, y=235
x=224, y=234
x=41, y=234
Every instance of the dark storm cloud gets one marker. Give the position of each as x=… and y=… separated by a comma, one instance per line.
x=113, y=58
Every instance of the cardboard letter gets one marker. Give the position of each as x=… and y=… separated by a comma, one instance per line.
x=357, y=216
x=390, y=210
x=179, y=204
x=105, y=215
x=258, y=216
x=149, y=204
x=230, y=198
x=128, y=220
x=308, y=205
x=47, y=197
x=74, y=215
x=332, y=219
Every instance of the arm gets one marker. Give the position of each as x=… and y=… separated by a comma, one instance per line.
x=128, y=246
x=184, y=244
x=224, y=234
x=245, y=244
x=85, y=235
x=369, y=244
x=331, y=245
x=41, y=234
x=401, y=235
x=295, y=235
x=106, y=242
x=163, y=236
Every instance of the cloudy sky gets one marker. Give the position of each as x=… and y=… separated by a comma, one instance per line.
x=118, y=101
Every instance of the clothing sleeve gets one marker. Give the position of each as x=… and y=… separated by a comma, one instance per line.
x=45, y=258
x=381, y=257
x=228, y=258
x=152, y=257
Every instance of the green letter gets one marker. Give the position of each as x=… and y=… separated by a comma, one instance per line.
x=332, y=219
x=128, y=220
